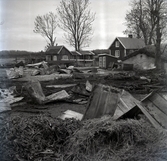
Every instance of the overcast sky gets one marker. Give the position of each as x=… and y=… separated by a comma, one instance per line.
x=16, y=32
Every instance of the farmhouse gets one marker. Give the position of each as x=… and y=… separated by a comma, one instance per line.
x=59, y=55
x=123, y=46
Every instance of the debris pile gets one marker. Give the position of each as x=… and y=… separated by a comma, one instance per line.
x=15, y=72
x=43, y=138
x=35, y=137
x=105, y=139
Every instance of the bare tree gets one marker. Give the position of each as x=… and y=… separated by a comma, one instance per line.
x=141, y=20
x=76, y=20
x=46, y=26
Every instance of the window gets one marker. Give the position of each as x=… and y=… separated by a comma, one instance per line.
x=48, y=57
x=117, y=53
x=65, y=57
x=54, y=58
x=124, y=52
x=117, y=44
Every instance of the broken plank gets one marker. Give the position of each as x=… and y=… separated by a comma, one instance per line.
x=157, y=114
x=102, y=102
x=163, y=94
x=151, y=119
x=125, y=104
x=61, y=86
x=160, y=102
x=61, y=95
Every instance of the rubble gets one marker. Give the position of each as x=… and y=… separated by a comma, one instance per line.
x=8, y=99
x=95, y=114
x=103, y=101
x=154, y=107
x=35, y=91
x=14, y=73
x=61, y=86
x=71, y=114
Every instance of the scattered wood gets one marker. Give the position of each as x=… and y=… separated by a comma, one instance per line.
x=103, y=101
x=80, y=101
x=61, y=86
x=88, y=86
x=153, y=106
x=125, y=104
x=61, y=95
x=80, y=89
x=4, y=107
x=35, y=91
x=71, y=114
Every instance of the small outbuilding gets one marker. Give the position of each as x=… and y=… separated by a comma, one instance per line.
x=143, y=59
x=106, y=60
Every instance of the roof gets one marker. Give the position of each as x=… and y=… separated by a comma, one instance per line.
x=107, y=55
x=131, y=43
x=101, y=51
x=55, y=49
x=82, y=52
x=148, y=50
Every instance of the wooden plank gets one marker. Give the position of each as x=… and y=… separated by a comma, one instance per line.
x=123, y=107
x=118, y=112
x=163, y=94
x=126, y=103
x=160, y=102
x=102, y=102
x=61, y=86
x=128, y=99
x=157, y=114
x=151, y=119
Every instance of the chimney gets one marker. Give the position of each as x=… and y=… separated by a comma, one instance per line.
x=130, y=36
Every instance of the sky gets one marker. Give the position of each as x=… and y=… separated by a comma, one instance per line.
x=18, y=16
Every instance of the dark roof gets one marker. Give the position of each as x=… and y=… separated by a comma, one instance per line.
x=101, y=51
x=148, y=50
x=107, y=55
x=55, y=49
x=131, y=43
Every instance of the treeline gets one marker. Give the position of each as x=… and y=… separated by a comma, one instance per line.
x=13, y=53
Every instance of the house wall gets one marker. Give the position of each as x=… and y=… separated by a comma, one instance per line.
x=141, y=61
x=84, y=60
x=65, y=53
x=113, y=48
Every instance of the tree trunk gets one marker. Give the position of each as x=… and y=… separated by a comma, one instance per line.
x=158, y=42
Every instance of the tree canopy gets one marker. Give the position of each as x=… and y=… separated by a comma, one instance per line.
x=142, y=19
x=46, y=26
x=76, y=20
